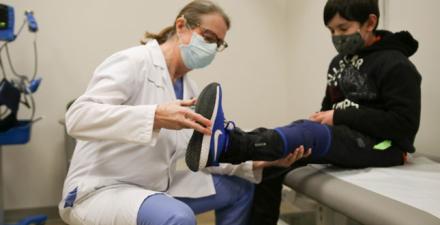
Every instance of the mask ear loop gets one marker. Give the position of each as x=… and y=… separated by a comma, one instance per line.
x=186, y=26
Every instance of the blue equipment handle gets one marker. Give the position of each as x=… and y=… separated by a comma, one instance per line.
x=33, y=86
x=32, y=23
x=37, y=220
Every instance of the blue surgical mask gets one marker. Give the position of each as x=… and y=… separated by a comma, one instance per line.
x=198, y=53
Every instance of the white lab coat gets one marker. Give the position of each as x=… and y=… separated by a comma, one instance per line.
x=113, y=123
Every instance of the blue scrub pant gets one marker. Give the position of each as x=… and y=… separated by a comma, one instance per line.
x=231, y=203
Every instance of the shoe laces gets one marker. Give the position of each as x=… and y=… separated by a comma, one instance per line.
x=229, y=125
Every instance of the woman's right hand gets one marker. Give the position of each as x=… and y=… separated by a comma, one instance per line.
x=177, y=115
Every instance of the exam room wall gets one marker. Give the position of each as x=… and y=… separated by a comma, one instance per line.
x=422, y=18
x=311, y=50
x=75, y=36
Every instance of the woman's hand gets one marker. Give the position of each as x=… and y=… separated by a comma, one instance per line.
x=285, y=162
x=325, y=117
x=177, y=115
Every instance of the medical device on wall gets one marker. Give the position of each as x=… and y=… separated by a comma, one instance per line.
x=16, y=90
x=7, y=22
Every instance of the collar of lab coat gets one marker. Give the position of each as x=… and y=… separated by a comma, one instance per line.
x=156, y=52
x=189, y=88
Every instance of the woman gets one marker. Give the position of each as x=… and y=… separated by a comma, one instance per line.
x=130, y=125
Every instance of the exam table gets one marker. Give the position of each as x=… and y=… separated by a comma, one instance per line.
x=402, y=195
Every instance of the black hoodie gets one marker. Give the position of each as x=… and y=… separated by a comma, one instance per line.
x=377, y=90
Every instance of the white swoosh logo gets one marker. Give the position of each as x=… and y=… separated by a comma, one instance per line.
x=217, y=134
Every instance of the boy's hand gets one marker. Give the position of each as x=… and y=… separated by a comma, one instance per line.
x=325, y=117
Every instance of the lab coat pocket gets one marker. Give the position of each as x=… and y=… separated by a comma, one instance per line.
x=85, y=189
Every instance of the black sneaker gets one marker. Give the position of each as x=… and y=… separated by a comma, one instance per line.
x=205, y=150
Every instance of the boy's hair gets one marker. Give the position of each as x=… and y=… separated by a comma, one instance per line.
x=353, y=10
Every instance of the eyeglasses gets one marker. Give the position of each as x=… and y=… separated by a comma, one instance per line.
x=211, y=37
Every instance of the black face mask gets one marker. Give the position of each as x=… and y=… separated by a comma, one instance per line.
x=348, y=44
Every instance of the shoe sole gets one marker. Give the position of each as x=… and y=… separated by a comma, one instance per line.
x=197, y=152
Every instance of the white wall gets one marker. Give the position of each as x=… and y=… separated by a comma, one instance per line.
x=310, y=51
x=254, y=68
x=421, y=18
x=273, y=72
x=75, y=36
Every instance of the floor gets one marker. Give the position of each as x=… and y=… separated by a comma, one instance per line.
x=208, y=218
x=202, y=219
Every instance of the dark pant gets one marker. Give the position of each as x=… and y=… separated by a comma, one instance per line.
x=349, y=149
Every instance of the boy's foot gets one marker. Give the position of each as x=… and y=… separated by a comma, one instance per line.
x=205, y=150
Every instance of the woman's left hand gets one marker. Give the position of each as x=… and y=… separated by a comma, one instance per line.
x=285, y=162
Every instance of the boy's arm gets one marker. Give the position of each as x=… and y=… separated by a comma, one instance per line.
x=326, y=103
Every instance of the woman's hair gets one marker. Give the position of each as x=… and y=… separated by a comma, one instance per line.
x=192, y=14
x=353, y=10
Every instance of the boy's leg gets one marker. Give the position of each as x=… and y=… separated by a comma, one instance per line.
x=271, y=144
x=231, y=145
x=231, y=202
x=350, y=149
x=267, y=199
